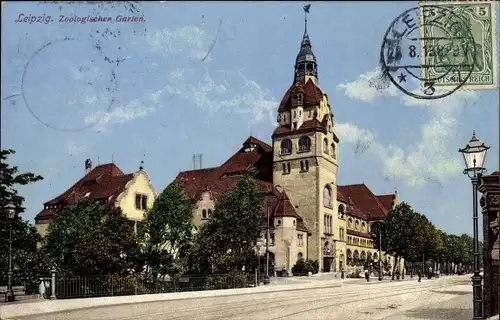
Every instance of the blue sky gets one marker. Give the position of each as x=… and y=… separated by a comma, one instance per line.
x=160, y=90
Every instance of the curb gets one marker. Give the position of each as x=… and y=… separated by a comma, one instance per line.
x=56, y=306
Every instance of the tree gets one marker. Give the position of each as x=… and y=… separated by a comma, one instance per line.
x=167, y=232
x=400, y=232
x=24, y=235
x=226, y=242
x=91, y=238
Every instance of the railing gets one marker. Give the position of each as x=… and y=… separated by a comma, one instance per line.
x=102, y=286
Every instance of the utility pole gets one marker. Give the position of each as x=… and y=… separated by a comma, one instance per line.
x=266, y=280
x=380, y=251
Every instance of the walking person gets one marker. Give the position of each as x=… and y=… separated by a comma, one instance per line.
x=419, y=273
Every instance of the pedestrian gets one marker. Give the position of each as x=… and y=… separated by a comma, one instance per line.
x=342, y=275
x=419, y=273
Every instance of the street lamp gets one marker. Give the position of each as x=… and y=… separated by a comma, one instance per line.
x=474, y=155
x=268, y=209
x=258, y=245
x=10, y=212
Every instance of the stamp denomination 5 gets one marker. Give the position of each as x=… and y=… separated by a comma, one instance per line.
x=476, y=17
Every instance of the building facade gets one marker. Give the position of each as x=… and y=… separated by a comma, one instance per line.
x=133, y=193
x=310, y=215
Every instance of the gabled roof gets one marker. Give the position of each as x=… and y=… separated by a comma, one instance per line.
x=220, y=179
x=362, y=203
x=104, y=182
x=387, y=200
x=312, y=95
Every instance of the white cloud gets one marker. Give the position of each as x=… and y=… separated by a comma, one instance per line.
x=366, y=87
x=189, y=41
x=433, y=156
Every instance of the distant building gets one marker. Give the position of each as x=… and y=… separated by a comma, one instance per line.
x=106, y=183
x=310, y=215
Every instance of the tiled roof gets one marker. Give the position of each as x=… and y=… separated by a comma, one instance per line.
x=361, y=202
x=307, y=126
x=387, y=200
x=104, y=182
x=359, y=234
x=312, y=94
x=220, y=179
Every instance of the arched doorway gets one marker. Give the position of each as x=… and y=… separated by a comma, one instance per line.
x=299, y=256
x=327, y=257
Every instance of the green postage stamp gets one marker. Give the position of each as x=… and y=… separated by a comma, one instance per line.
x=474, y=18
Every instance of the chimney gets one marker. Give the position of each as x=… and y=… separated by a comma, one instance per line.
x=88, y=166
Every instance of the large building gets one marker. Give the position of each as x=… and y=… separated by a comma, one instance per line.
x=310, y=215
x=106, y=183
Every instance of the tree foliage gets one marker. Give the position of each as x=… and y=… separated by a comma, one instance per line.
x=90, y=238
x=410, y=235
x=167, y=232
x=225, y=243
x=25, y=259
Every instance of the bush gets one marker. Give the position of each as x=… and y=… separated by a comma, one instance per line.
x=303, y=267
x=236, y=279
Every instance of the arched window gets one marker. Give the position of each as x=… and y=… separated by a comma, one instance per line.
x=204, y=214
x=209, y=213
x=341, y=211
x=363, y=255
x=325, y=146
x=327, y=196
x=332, y=151
x=357, y=225
x=286, y=146
x=304, y=144
x=356, y=254
x=363, y=226
x=349, y=223
x=375, y=256
x=349, y=254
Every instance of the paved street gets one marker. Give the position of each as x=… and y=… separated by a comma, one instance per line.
x=353, y=300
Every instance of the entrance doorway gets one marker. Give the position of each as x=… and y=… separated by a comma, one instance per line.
x=327, y=264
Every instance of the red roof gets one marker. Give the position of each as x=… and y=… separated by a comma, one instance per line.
x=362, y=203
x=312, y=94
x=307, y=126
x=104, y=182
x=220, y=179
x=387, y=200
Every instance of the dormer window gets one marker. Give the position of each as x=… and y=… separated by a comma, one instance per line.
x=87, y=194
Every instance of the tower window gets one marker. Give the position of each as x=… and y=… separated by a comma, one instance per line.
x=286, y=168
x=325, y=146
x=295, y=126
x=332, y=151
x=304, y=144
x=286, y=146
x=327, y=196
x=209, y=213
x=204, y=214
x=295, y=112
x=304, y=166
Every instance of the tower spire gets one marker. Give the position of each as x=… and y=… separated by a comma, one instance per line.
x=305, y=64
x=306, y=11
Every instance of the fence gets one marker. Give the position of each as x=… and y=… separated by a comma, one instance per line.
x=102, y=286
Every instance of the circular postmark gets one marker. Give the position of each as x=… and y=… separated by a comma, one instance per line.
x=428, y=38
x=89, y=121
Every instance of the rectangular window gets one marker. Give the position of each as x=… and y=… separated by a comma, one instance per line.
x=138, y=201
x=271, y=239
x=141, y=202
x=300, y=240
x=295, y=126
x=286, y=168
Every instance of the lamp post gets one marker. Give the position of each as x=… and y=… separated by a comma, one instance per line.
x=258, y=246
x=266, y=278
x=380, y=251
x=10, y=212
x=474, y=155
